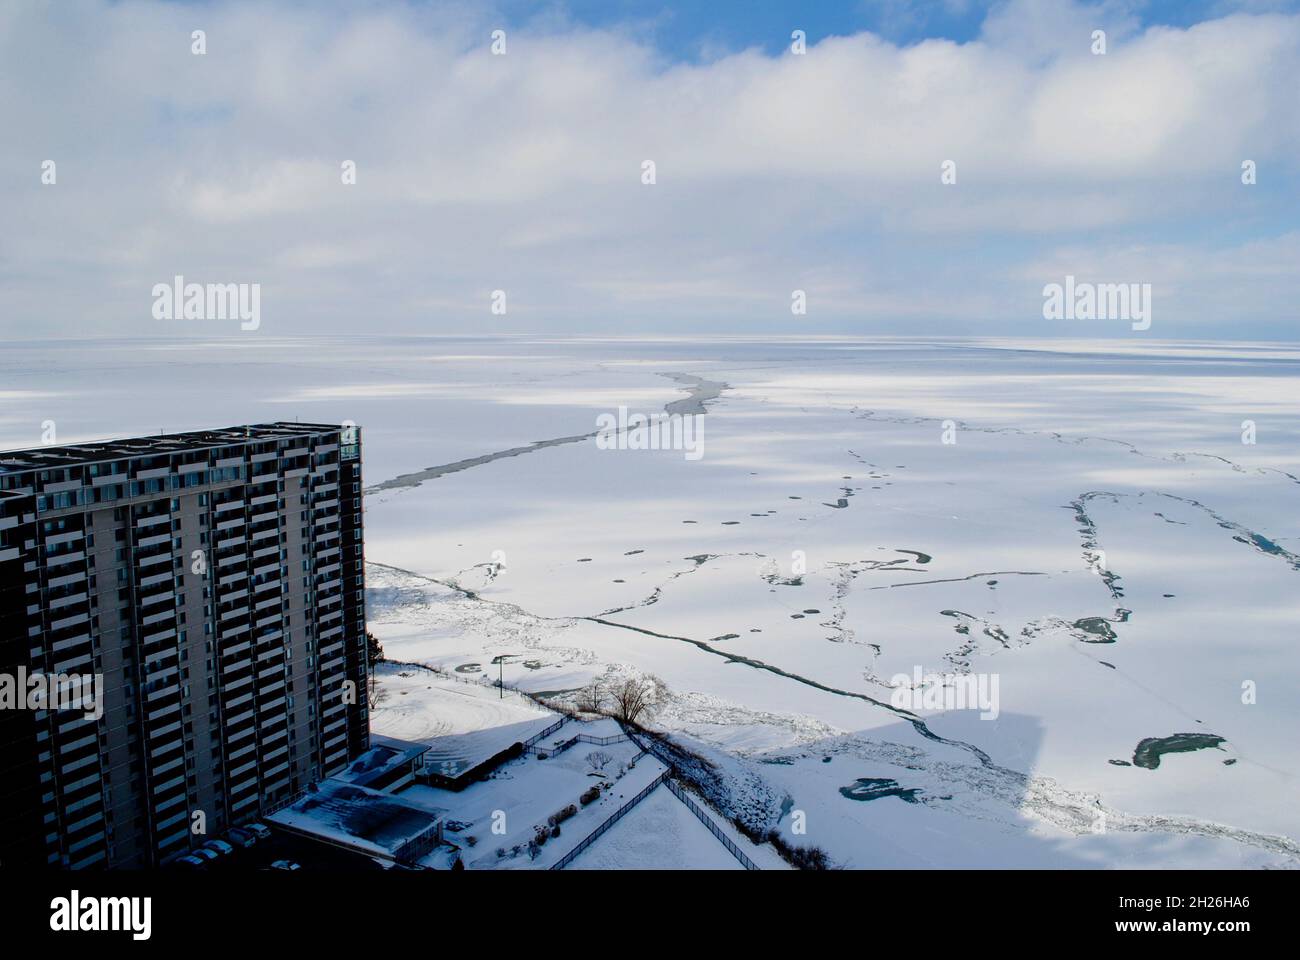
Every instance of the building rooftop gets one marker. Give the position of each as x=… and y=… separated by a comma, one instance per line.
x=359, y=818
x=386, y=757
x=105, y=450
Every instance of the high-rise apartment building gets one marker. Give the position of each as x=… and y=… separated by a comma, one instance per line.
x=214, y=580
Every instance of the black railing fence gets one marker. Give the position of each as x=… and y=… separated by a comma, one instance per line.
x=545, y=733
x=705, y=819
x=652, y=746
x=613, y=818
x=573, y=741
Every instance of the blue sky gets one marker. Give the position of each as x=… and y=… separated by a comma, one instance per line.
x=688, y=31
x=692, y=30
x=775, y=173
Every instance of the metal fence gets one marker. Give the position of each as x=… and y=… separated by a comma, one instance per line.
x=614, y=818
x=573, y=741
x=652, y=746
x=705, y=819
x=545, y=733
x=659, y=752
x=287, y=801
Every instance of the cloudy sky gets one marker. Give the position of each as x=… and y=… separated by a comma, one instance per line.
x=774, y=171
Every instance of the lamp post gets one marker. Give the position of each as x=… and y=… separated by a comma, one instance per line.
x=499, y=661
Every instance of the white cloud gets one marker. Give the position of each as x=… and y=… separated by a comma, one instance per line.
x=522, y=172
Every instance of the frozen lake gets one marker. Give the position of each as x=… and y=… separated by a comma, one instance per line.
x=1089, y=524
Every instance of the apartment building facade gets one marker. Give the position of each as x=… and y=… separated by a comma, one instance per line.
x=215, y=581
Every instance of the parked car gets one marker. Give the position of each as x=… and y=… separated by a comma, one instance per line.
x=220, y=846
x=285, y=865
x=259, y=830
x=241, y=837
x=189, y=860
x=205, y=854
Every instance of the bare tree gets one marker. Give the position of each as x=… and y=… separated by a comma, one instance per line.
x=591, y=698
x=375, y=695
x=598, y=760
x=635, y=698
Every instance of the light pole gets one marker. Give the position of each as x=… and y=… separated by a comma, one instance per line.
x=499, y=661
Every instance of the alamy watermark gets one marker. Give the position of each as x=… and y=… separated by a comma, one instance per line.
x=659, y=431
x=1098, y=301
x=75, y=913
x=179, y=300
x=53, y=691
x=951, y=691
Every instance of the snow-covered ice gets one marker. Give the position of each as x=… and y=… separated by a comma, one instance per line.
x=1097, y=535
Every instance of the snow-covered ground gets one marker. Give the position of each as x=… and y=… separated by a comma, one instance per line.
x=466, y=723
x=1082, y=521
x=659, y=834
x=492, y=821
